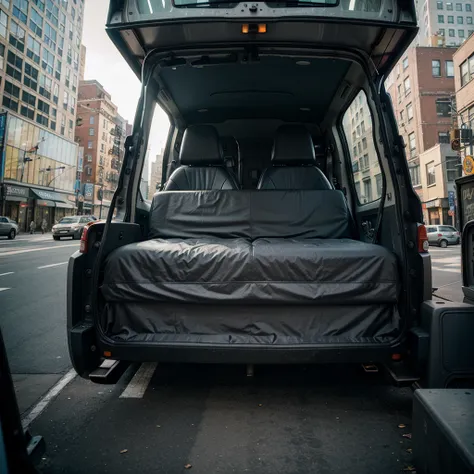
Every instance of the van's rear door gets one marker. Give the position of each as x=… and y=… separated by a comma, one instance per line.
x=379, y=29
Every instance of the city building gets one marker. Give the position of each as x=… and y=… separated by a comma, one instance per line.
x=422, y=90
x=145, y=180
x=101, y=131
x=444, y=23
x=156, y=174
x=39, y=68
x=82, y=62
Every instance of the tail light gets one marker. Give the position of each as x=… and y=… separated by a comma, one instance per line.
x=83, y=247
x=440, y=235
x=422, y=237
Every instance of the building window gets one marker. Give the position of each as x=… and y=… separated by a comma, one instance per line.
x=367, y=197
x=57, y=74
x=89, y=145
x=453, y=168
x=30, y=99
x=468, y=7
x=20, y=10
x=460, y=20
x=36, y=22
x=10, y=103
x=46, y=85
x=2, y=56
x=464, y=73
x=443, y=107
x=50, y=36
x=450, y=19
x=407, y=86
x=436, y=67
x=440, y=18
x=441, y=32
x=364, y=143
x=56, y=93
x=91, y=132
x=33, y=49
x=439, y=5
x=409, y=111
x=449, y=6
x=443, y=137
x=65, y=100
x=449, y=69
x=61, y=45
x=48, y=61
x=43, y=106
x=89, y=158
x=402, y=116
x=39, y=4
x=452, y=33
x=364, y=162
x=30, y=79
x=17, y=36
x=91, y=120
x=399, y=93
x=52, y=12
x=415, y=175
x=354, y=151
x=412, y=144
x=14, y=66
x=405, y=63
x=461, y=33
x=459, y=7
x=27, y=112
x=430, y=174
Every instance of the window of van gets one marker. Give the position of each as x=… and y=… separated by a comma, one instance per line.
x=366, y=169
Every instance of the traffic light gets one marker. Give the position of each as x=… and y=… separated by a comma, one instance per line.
x=455, y=140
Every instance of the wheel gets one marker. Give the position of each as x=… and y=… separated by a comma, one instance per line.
x=12, y=234
x=55, y=237
x=443, y=244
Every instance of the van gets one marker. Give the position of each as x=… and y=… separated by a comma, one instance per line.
x=303, y=242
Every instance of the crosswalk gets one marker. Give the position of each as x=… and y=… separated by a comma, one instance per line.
x=446, y=260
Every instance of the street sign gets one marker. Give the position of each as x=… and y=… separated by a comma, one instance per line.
x=468, y=165
x=451, y=200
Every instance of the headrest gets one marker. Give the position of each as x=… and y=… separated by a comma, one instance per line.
x=293, y=145
x=200, y=146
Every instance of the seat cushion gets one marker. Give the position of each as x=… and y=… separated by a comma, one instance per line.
x=201, y=178
x=264, y=271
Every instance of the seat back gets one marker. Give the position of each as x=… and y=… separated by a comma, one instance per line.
x=202, y=164
x=293, y=161
x=250, y=214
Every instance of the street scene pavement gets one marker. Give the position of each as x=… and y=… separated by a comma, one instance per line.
x=171, y=418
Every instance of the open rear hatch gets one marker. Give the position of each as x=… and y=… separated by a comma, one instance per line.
x=378, y=29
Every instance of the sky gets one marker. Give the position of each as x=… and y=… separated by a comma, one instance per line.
x=105, y=64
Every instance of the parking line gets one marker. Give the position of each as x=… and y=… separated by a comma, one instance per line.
x=8, y=273
x=52, y=265
x=137, y=386
x=48, y=398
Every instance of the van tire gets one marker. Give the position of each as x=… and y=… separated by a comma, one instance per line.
x=443, y=244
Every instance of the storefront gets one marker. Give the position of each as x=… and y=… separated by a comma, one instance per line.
x=26, y=204
x=438, y=212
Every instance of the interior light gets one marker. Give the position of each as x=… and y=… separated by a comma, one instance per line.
x=303, y=63
x=262, y=28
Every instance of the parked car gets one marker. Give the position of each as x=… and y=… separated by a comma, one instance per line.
x=71, y=226
x=8, y=227
x=443, y=235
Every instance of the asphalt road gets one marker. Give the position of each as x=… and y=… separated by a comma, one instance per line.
x=160, y=418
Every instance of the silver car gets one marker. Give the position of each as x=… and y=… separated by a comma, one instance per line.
x=71, y=226
x=8, y=227
x=443, y=235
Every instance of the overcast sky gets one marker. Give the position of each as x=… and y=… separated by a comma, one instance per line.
x=105, y=64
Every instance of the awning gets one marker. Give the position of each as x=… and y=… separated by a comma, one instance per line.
x=16, y=198
x=65, y=205
x=47, y=195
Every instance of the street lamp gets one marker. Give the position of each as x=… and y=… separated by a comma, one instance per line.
x=48, y=169
x=27, y=159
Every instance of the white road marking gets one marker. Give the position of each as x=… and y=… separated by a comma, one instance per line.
x=37, y=249
x=5, y=274
x=443, y=269
x=139, y=383
x=48, y=398
x=5, y=289
x=52, y=265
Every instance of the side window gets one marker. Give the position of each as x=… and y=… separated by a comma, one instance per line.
x=3, y=219
x=357, y=125
x=431, y=229
x=85, y=220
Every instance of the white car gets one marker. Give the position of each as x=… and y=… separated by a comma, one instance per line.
x=8, y=227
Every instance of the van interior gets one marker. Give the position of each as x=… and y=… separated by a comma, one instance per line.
x=278, y=220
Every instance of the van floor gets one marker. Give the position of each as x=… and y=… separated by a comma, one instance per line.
x=291, y=419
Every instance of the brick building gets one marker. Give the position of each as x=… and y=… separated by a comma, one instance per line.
x=422, y=90
x=101, y=131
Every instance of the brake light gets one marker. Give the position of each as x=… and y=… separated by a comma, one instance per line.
x=423, y=244
x=83, y=247
x=440, y=235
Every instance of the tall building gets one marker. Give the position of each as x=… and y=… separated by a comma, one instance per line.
x=101, y=131
x=145, y=179
x=422, y=88
x=39, y=68
x=155, y=174
x=444, y=23
x=82, y=62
